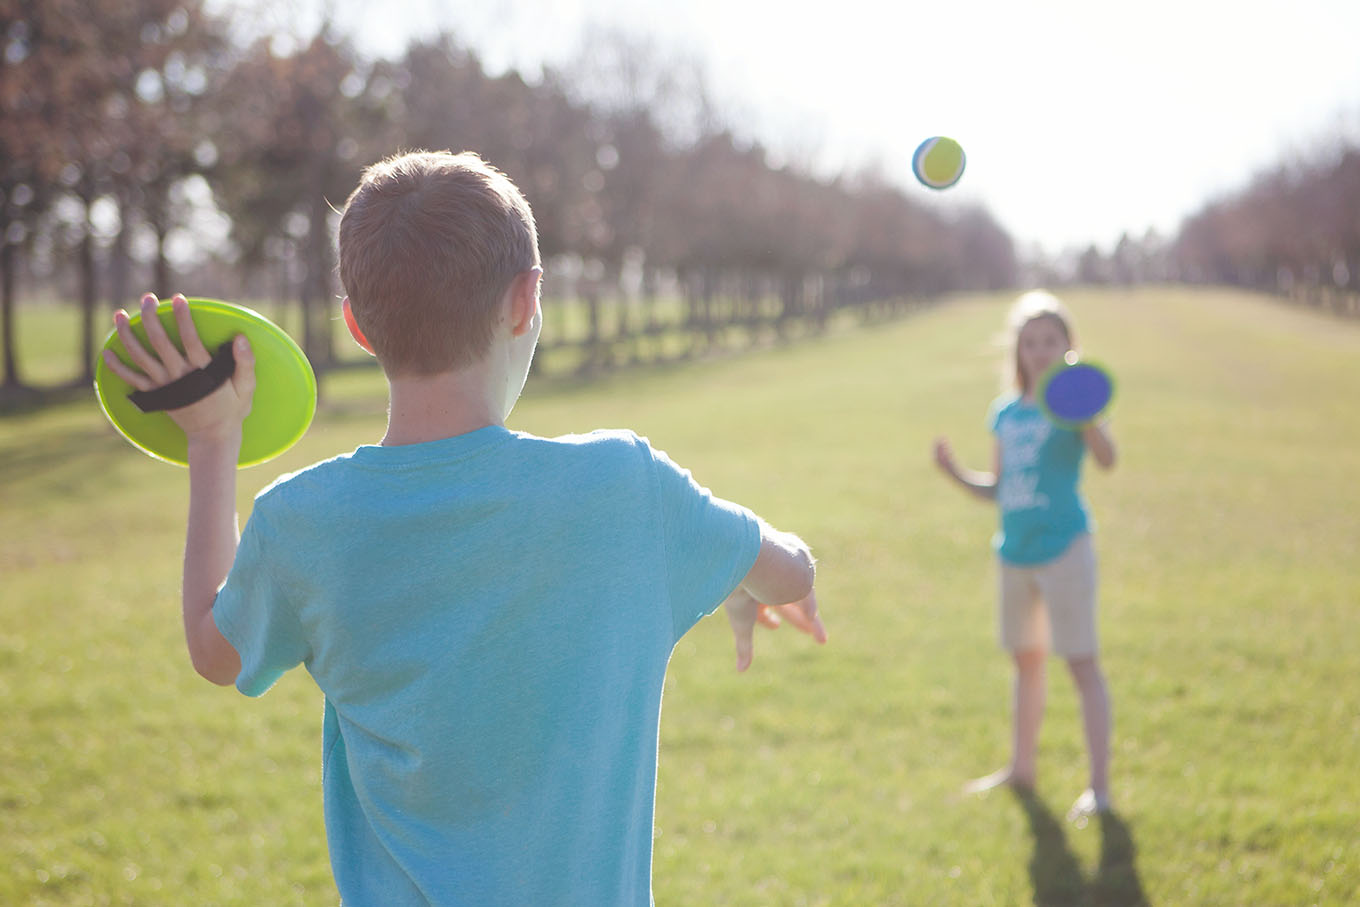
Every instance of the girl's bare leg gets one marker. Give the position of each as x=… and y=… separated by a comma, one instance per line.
x=1027, y=713
x=1095, y=713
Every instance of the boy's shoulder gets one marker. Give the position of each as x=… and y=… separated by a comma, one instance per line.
x=287, y=486
x=605, y=451
x=320, y=477
x=600, y=443
x=604, y=437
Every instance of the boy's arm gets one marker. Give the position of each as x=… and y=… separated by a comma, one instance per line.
x=209, y=551
x=784, y=570
x=781, y=580
x=212, y=427
x=981, y=484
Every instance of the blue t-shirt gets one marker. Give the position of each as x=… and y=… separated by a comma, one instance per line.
x=1037, y=492
x=489, y=617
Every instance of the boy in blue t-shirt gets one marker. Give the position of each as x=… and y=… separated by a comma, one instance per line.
x=489, y=614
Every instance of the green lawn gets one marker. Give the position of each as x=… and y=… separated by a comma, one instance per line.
x=1230, y=583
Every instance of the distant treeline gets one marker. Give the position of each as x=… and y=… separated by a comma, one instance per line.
x=1293, y=231
x=143, y=146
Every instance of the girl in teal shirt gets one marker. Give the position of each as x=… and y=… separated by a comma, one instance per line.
x=1047, y=565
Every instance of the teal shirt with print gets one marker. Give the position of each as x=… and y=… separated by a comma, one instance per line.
x=1037, y=494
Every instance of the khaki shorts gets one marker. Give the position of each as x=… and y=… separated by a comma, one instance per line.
x=1051, y=605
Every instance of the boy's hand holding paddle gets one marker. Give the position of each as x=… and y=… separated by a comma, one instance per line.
x=186, y=370
x=217, y=416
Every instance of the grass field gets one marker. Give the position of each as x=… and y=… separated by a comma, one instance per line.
x=1230, y=583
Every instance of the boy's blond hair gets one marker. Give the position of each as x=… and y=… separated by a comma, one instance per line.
x=1030, y=306
x=429, y=243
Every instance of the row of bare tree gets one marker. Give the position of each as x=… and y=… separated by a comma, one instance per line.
x=140, y=137
x=1294, y=230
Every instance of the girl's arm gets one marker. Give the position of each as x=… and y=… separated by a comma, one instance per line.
x=1100, y=442
x=981, y=484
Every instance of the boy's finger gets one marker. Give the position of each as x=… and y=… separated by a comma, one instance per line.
x=169, y=354
x=794, y=615
x=741, y=614
x=244, y=377
x=194, y=350
x=818, y=631
x=805, y=617
x=744, y=648
x=812, y=626
x=133, y=377
x=148, y=363
x=766, y=617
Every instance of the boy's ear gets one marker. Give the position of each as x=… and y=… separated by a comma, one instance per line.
x=353, y=326
x=524, y=301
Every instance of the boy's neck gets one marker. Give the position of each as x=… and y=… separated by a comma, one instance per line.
x=435, y=407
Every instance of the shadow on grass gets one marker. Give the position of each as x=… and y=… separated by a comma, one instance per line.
x=67, y=463
x=35, y=461
x=1056, y=874
x=25, y=399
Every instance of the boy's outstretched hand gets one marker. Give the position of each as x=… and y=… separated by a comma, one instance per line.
x=217, y=416
x=744, y=612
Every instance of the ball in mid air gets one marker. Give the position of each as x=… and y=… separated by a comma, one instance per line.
x=938, y=162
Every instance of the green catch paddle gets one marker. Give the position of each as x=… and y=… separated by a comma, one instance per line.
x=285, y=386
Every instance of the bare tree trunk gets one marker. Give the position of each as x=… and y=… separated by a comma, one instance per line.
x=309, y=342
x=164, y=278
x=790, y=302
x=594, y=341
x=88, y=291
x=711, y=278
x=11, y=381
x=819, y=301
x=649, y=301
x=118, y=257
x=319, y=267
x=157, y=213
x=650, y=328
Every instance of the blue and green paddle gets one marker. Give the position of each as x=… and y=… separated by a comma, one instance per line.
x=1074, y=392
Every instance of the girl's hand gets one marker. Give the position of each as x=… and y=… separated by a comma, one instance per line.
x=944, y=456
x=1100, y=442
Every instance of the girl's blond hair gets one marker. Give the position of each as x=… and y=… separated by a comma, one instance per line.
x=1028, y=307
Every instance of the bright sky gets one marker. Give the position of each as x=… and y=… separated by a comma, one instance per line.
x=1080, y=118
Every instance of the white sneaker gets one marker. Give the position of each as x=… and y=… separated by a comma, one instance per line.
x=1088, y=804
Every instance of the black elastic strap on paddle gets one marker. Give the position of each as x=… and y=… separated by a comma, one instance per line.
x=189, y=388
